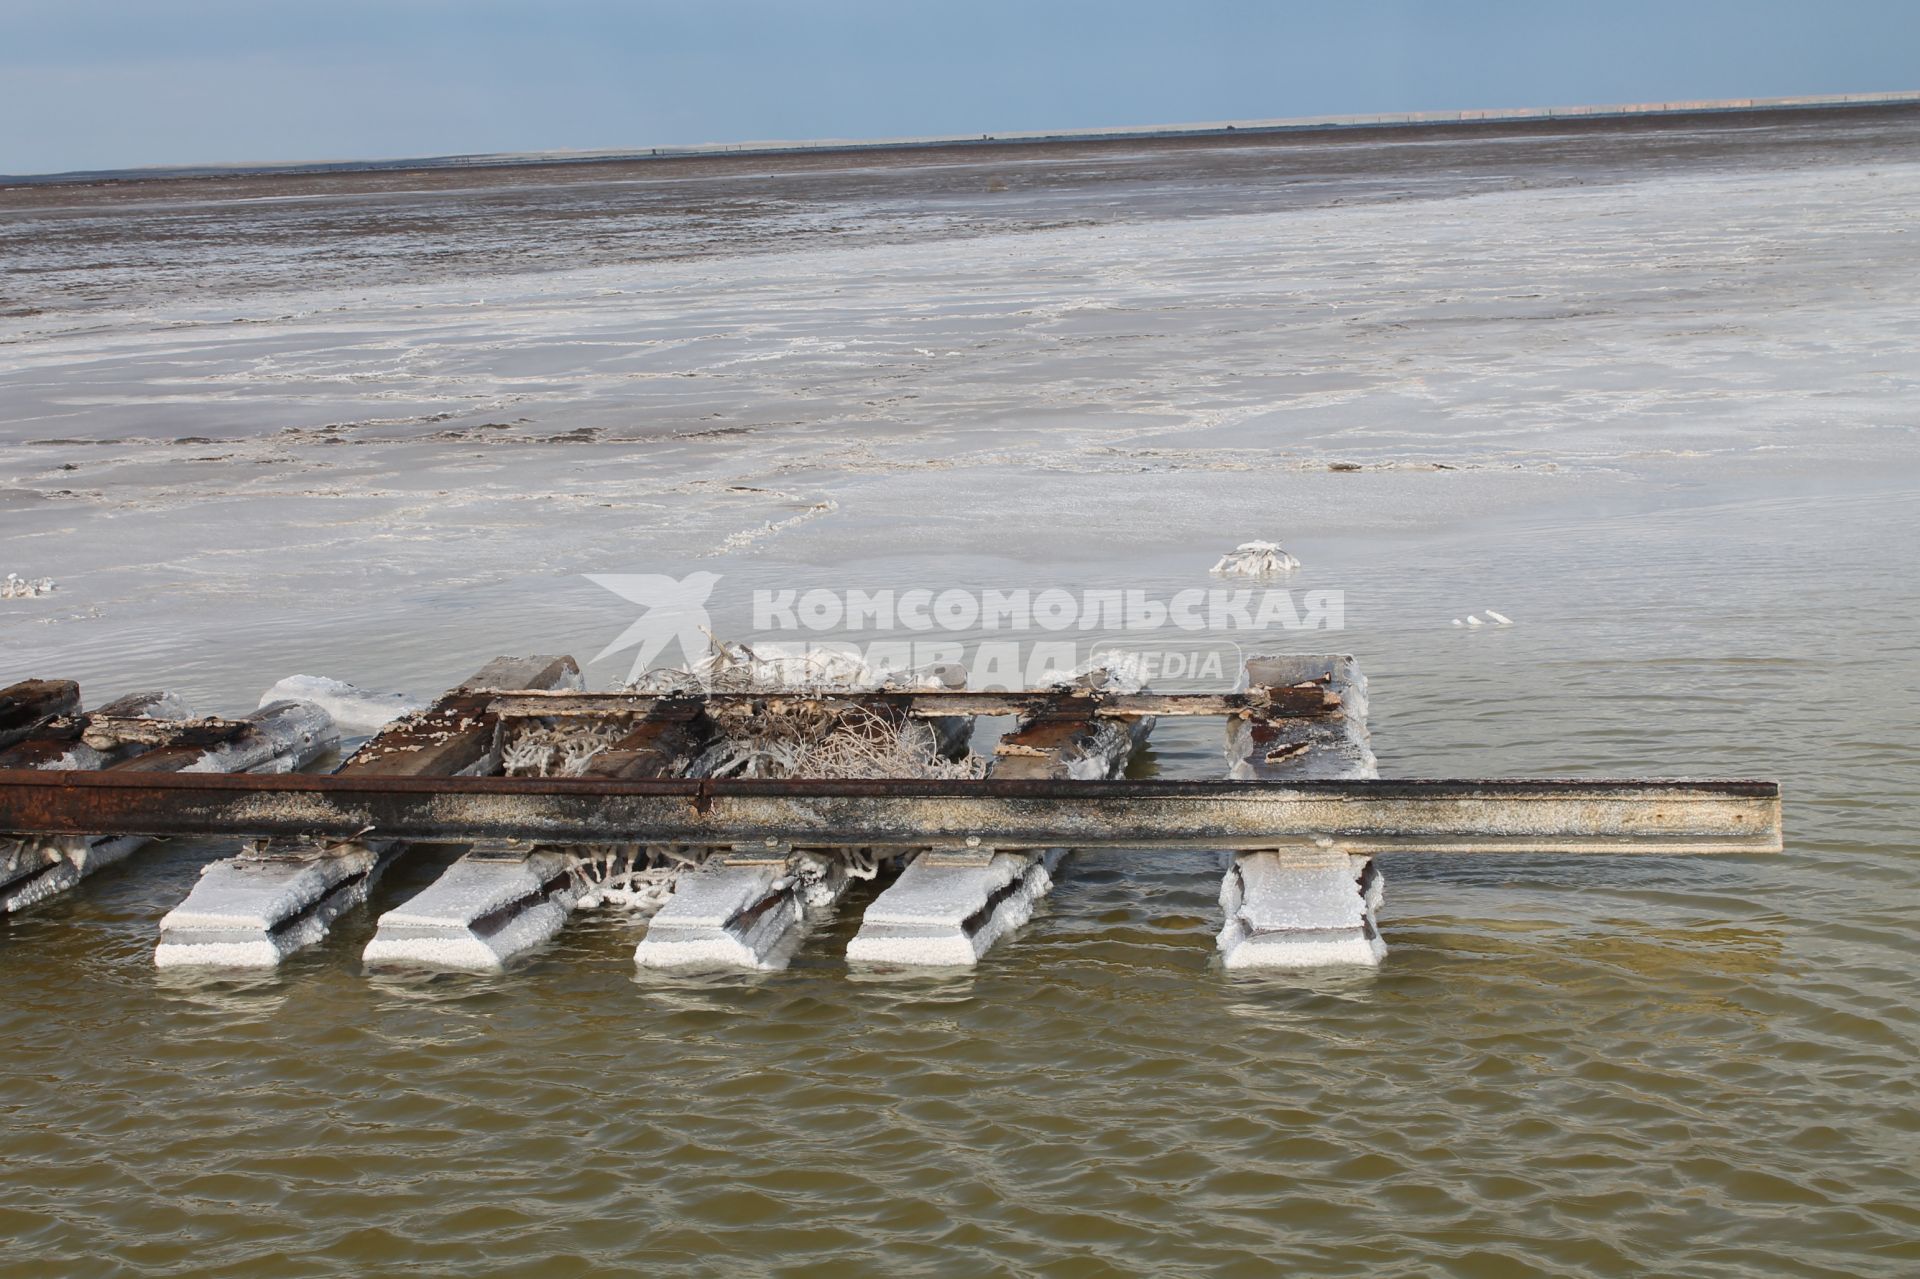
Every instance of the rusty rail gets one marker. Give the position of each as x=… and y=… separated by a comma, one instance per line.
x=1302, y=700
x=1364, y=817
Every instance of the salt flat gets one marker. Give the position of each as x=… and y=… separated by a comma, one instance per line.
x=1022, y=394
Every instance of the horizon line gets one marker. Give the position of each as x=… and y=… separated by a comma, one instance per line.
x=1328, y=123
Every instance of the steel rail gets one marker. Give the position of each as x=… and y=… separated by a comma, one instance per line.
x=1303, y=700
x=1423, y=815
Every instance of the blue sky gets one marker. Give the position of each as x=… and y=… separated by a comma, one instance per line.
x=88, y=84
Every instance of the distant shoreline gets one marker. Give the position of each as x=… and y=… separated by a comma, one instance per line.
x=1413, y=120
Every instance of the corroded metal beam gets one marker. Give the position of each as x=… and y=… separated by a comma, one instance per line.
x=1308, y=699
x=1492, y=816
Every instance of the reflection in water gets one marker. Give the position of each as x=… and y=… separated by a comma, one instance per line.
x=1282, y=1000
x=402, y=986
x=224, y=996
x=905, y=991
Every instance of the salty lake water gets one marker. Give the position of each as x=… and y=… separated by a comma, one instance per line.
x=1650, y=393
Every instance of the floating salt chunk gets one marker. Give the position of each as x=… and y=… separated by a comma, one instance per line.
x=1255, y=559
x=1501, y=618
x=354, y=710
x=16, y=587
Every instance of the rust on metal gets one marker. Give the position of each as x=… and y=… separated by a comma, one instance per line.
x=1363, y=817
x=1302, y=700
x=461, y=730
x=27, y=705
x=1064, y=736
x=452, y=735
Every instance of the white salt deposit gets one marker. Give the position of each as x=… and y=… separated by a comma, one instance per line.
x=637, y=880
x=489, y=908
x=1300, y=909
x=254, y=911
x=804, y=741
x=744, y=912
x=559, y=750
x=1111, y=670
x=1311, y=906
x=923, y=918
x=1004, y=342
x=158, y=704
x=354, y=710
x=1256, y=559
x=732, y=914
x=15, y=587
x=742, y=540
x=284, y=736
x=33, y=870
x=761, y=668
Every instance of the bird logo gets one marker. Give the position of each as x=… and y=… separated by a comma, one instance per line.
x=676, y=612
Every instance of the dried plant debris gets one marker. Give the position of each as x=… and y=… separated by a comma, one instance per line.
x=642, y=878
x=782, y=738
x=810, y=739
x=634, y=877
x=563, y=750
x=792, y=736
x=807, y=738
